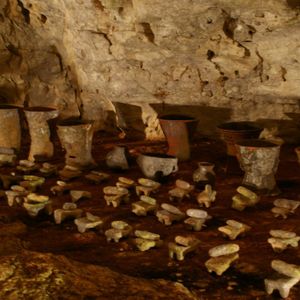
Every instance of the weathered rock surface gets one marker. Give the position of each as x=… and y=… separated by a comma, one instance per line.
x=31, y=275
x=215, y=59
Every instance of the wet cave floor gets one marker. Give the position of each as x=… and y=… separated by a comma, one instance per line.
x=244, y=280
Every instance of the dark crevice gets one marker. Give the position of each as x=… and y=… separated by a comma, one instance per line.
x=98, y=4
x=210, y=54
x=25, y=12
x=229, y=26
x=43, y=19
x=293, y=3
x=12, y=49
x=260, y=66
x=283, y=73
x=105, y=35
x=148, y=32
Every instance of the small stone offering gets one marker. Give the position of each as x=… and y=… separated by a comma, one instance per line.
x=115, y=195
x=146, y=186
x=197, y=219
x=16, y=195
x=32, y=182
x=182, y=190
x=233, y=229
x=77, y=195
x=284, y=207
x=124, y=182
x=60, y=188
x=146, y=240
x=206, y=197
x=144, y=206
x=90, y=221
x=281, y=240
x=34, y=203
x=169, y=214
x=120, y=229
x=8, y=156
x=244, y=198
x=97, y=177
x=69, y=172
x=27, y=166
x=221, y=258
x=48, y=169
x=68, y=211
x=182, y=246
x=289, y=276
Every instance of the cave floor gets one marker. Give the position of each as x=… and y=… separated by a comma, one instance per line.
x=244, y=280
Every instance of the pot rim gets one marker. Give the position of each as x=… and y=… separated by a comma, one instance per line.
x=177, y=117
x=256, y=143
x=158, y=155
x=252, y=127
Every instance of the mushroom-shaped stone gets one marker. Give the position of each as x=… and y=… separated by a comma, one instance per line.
x=97, y=177
x=76, y=195
x=68, y=211
x=223, y=249
x=146, y=240
x=34, y=203
x=120, y=229
x=145, y=205
x=181, y=191
x=114, y=195
x=60, y=188
x=88, y=222
x=32, y=182
x=289, y=270
x=48, y=169
x=146, y=186
x=220, y=264
x=280, y=212
x=15, y=196
x=169, y=214
x=27, y=166
x=281, y=239
x=182, y=246
x=197, y=219
x=69, y=172
x=206, y=197
x=233, y=229
x=283, y=285
x=125, y=182
x=292, y=205
x=244, y=198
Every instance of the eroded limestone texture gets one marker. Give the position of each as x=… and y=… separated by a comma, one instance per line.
x=217, y=60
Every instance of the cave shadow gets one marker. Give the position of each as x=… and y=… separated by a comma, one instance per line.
x=209, y=117
x=129, y=119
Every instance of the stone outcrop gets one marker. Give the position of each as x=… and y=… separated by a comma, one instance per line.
x=217, y=59
x=31, y=275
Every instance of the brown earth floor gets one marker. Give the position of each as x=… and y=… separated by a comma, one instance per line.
x=244, y=280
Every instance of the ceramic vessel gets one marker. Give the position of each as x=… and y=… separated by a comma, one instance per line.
x=10, y=128
x=117, y=158
x=178, y=130
x=156, y=165
x=38, y=119
x=259, y=160
x=76, y=138
x=234, y=132
x=204, y=174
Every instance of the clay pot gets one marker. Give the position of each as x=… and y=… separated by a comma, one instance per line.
x=156, y=165
x=204, y=175
x=233, y=132
x=178, y=130
x=259, y=160
x=76, y=138
x=41, y=146
x=10, y=128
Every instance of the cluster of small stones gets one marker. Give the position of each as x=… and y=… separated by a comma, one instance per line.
x=23, y=190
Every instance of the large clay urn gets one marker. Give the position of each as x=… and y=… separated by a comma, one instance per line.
x=38, y=119
x=10, y=128
x=233, y=132
x=178, y=130
x=259, y=160
x=76, y=137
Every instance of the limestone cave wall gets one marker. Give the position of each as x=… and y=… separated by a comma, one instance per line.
x=122, y=62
